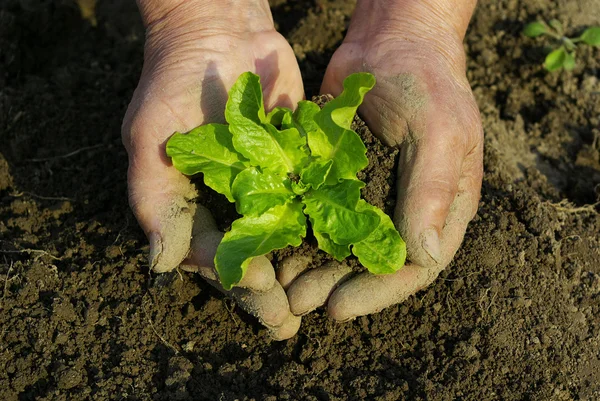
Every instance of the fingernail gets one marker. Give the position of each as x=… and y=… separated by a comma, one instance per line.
x=155, y=248
x=431, y=244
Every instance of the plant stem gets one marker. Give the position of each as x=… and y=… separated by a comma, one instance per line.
x=569, y=45
x=554, y=35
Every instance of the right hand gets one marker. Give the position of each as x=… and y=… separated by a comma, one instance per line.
x=192, y=57
x=423, y=104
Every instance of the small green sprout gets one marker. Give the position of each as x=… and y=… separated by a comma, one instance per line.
x=284, y=167
x=564, y=56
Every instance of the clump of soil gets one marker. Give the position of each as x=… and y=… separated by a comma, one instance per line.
x=515, y=316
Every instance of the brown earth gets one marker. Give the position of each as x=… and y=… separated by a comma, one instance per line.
x=515, y=317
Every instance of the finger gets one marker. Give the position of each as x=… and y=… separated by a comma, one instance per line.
x=205, y=240
x=465, y=204
x=258, y=293
x=288, y=328
x=279, y=72
x=434, y=170
x=312, y=289
x=291, y=267
x=368, y=293
x=271, y=307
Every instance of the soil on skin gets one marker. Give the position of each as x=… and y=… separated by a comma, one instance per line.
x=516, y=316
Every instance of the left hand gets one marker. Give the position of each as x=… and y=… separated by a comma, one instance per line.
x=423, y=103
x=194, y=52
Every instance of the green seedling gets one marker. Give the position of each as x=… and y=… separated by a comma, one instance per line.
x=564, y=56
x=282, y=167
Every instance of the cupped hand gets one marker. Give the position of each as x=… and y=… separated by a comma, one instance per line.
x=422, y=103
x=190, y=62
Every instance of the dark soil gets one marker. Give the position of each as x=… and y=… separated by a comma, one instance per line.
x=515, y=317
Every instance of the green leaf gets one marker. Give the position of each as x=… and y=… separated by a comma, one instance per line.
x=256, y=139
x=265, y=146
x=383, y=251
x=569, y=62
x=255, y=192
x=252, y=236
x=343, y=108
x=299, y=188
x=334, y=140
x=591, y=36
x=348, y=154
x=339, y=252
x=245, y=103
x=332, y=211
x=315, y=173
x=304, y=117
x=535, y=29
x=555, y=59
x=207, y=149
x=245, y=113
x=280, y=117
x=293, y=148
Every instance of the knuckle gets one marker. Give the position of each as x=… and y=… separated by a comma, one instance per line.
x=132, y=123
x=439, y=192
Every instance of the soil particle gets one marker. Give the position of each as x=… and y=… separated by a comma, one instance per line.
x=179, y=374
x=69, y=378
x=5, y=177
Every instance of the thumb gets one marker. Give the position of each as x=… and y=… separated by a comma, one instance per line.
x=158, y=194
x=436, y=172
x=159, y=200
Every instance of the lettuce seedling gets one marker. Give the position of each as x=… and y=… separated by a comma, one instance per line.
x=564, y=56
x=282, y=166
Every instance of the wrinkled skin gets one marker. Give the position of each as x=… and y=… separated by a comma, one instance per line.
x=422, y=103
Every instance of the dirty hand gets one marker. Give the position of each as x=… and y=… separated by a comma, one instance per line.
x=422, y=103
x=194, y=52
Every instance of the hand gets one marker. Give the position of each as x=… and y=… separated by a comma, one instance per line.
x=194, y=52
x=422, y=102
